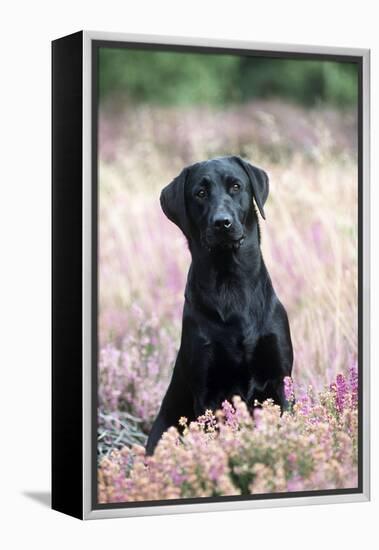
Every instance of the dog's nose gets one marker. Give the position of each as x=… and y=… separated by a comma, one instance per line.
x=222, y=222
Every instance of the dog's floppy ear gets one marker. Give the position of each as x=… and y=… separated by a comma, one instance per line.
x=173, y=201
x=259, y=183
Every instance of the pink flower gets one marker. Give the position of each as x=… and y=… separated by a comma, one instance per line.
x=353, y=382
x=341, y=392
x=289, y=389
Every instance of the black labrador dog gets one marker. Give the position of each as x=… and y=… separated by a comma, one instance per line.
x=235, y=334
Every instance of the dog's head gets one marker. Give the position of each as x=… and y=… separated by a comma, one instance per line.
x=212, y=201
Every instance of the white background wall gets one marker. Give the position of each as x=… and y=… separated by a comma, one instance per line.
x=26, y=31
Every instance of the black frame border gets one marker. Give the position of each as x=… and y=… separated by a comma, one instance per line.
x=341, y=58
x=67, y=260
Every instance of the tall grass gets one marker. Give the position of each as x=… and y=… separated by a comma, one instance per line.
x=309, y=241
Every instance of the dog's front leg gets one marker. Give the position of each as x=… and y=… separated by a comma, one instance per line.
x=160, y=425
x=200, y=405
x=177, y=402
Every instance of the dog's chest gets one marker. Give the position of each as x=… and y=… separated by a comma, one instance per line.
x=234, y=344
x=230, y=363
x=230, y=315
x=232, y=303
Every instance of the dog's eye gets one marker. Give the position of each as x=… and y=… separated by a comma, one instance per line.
x=235, y=187
x=201, y=194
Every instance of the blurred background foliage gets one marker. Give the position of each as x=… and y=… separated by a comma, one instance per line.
x=160, y=111
x=177, y=79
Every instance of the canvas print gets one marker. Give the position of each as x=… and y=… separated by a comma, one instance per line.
x=227, y=270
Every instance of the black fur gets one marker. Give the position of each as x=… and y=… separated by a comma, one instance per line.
x=235, y=335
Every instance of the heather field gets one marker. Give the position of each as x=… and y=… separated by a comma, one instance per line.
x=309, y=242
